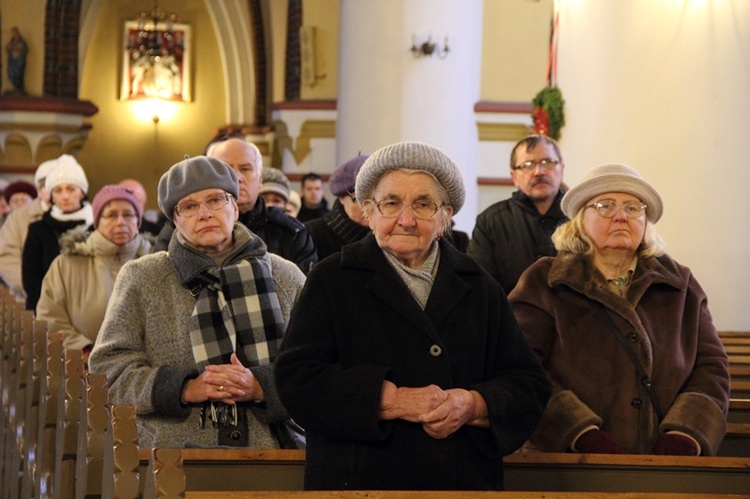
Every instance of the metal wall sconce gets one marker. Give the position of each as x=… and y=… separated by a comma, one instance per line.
x=427, y=48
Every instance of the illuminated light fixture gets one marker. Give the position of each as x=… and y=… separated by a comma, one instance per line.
x=427, y=48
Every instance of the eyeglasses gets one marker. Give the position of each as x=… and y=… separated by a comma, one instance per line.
x=213, y=203
x=546, y=163
x=608, y=208
x=423, y=209
x=112, y=217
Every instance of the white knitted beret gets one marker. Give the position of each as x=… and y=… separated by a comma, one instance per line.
x=412, y=156
x=66, y=171
x=613, y=178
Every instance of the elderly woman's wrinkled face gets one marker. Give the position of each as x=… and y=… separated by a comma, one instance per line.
x=67, y=197
x=623, y=230
x=119, y=222
x=19, y=200
x=206, y=219
x=406, y=236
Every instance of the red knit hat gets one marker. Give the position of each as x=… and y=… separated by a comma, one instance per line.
x=111, y=193
x=19, y=186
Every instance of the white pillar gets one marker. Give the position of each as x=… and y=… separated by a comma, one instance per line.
x=386, y=95
x=665, y=88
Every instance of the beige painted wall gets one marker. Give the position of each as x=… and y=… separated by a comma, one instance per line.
x=124, y=142
x=324, y=16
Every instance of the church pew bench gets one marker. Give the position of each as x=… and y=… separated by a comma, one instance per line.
x=242, y=469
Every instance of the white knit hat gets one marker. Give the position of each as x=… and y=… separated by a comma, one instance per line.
x=67, y=171
x=613, y=178
x=411, y=156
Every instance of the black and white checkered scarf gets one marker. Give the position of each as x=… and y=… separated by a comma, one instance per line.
x=236, y=309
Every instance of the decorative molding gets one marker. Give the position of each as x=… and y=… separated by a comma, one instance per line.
x=313, y=129
x=502, y=132
x=503, y=107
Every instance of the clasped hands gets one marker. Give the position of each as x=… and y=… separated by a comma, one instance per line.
x=441, y=412
x=228, y=383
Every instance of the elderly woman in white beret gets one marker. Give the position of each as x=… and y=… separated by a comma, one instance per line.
x=403, y=361
x=79, y=282
x=623, y=330
x=190, y=335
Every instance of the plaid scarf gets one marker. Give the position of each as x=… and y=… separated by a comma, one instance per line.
x=237, y=309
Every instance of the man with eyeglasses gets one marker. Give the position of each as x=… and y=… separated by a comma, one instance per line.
x=511, y=235
x=190, y=335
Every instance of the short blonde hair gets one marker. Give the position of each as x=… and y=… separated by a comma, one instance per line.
x=571, y=237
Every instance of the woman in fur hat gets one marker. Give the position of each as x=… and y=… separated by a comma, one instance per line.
x=79, y=282
x=403, y=361
x=623, y=330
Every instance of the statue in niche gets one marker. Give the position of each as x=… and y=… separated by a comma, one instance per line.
x=16, y=50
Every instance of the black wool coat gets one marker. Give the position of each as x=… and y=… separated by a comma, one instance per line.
x=356, y=325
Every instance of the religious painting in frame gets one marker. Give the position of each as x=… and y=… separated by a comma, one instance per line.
x=156, y=62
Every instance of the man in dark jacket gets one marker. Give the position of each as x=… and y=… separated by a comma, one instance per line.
x=283, y=235
x=511, y=235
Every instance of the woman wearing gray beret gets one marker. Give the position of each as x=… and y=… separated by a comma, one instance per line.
x=403, y=361
x=190, y=335
x=623, y=330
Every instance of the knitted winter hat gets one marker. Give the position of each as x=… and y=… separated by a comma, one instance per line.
x=192, y=175
x=412, y=156
x=43, y=170
x=66, y=171
x=295, y=200
x=273, y=180
x=19, y=186
x=613, y=178
x=344, y=177
x=111, y=193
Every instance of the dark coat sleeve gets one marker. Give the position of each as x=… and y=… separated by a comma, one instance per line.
x=32, y=265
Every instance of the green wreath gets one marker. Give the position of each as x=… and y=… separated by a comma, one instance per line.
x=548, y=112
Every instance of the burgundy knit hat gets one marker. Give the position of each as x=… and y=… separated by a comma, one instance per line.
x=111, y=193
x=19, y=186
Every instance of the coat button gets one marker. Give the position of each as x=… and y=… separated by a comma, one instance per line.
x=637, y=403
x=235, y=435
x=633, y=337
x=436, y=351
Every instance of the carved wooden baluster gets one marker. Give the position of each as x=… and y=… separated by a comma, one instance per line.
x=35, y=401
x=65, y=475
x=168, y=473
x=93, y=438
x=126, y=461
x=51, y=411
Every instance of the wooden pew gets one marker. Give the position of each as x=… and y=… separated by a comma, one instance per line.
x=93, y=438
x=36, y=385
x=51, y=408
x=423, y=494
x=252, y=470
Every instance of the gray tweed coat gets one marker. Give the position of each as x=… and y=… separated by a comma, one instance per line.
x=144, y=349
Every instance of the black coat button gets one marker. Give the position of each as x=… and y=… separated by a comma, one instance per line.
x=436, y=351
x=637, y=403
x=633, y=337
x=235, y=435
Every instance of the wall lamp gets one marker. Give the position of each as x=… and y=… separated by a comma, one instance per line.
x=427, y=48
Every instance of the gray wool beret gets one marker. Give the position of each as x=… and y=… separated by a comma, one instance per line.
x=613, y=178
x=343, y=178
x=411, y=156
x=192, y=175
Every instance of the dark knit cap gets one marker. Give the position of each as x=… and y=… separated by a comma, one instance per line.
x=19, y=186
x=344, y=177
x=192, y=175
x=111, y=193
x=412, y=156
